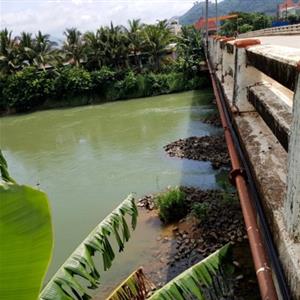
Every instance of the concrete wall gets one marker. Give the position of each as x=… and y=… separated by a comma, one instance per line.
x=261, y=86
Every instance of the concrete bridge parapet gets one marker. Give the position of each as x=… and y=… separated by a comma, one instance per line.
x=261, y=86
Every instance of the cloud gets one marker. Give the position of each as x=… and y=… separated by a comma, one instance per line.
x=55, y=15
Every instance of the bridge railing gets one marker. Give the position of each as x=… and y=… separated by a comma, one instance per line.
x=280, y=30
x=261, y=85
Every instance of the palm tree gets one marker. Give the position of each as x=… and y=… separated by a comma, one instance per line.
x=9, y=62
x=116, y=45
x=157, y=38
x=26, y=48
x=135, y=40
x=189, y=45
x=95, y=48
x=74, y=46
x=43, y=50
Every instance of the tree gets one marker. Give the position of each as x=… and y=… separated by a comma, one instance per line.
x=95, y=49
x=25, y=48
x=157, y=38
x=9, y=61
x=135, y=40
x=190, y=48
x=116, y=46
x=44, y=52
x=74, y=46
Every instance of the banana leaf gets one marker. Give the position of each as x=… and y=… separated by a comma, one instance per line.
x=26, y=238
x=79, y=273
x=135, y=287
x=201, y=280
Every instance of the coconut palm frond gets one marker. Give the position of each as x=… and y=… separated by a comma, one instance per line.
x=199, y=280
x=135, y=287
x=68, y=282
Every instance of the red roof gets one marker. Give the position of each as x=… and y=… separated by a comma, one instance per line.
x=200, y=24
x=288, y=4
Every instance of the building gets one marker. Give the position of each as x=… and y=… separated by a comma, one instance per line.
x=212, y=27
x=174, y=26
x=288, y=8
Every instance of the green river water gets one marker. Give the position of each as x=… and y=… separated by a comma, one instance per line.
x=90, y=158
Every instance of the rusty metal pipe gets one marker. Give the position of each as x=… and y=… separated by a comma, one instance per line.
x=258, y=251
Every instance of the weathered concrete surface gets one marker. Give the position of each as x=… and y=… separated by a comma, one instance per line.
x=292, y=202
x=280, y=63
x=268, y=162
x=244, y=76
x=275, y=112
x=287, y=41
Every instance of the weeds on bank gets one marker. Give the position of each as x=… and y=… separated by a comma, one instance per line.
x=171, y=205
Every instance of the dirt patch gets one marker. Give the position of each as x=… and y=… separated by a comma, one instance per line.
x=206, y=148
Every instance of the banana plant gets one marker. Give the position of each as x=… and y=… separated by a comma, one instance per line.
x=204, y=280
x=135, y=287
x=26, y=238
x=68, y=282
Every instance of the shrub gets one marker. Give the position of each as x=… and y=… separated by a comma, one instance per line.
x=28, y=88
x=177, y=82
x=172, y=205
x=74, y=81
x=102, y=78
x=201, y=210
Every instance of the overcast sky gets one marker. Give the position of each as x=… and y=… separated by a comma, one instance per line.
x=53, y=16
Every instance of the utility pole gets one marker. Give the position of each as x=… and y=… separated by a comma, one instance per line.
x=206, y=25
x=217, y=28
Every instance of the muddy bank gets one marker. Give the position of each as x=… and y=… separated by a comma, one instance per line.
x=206, y=148
x=192, y=238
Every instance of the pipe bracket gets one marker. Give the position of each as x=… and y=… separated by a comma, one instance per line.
x=236, y=172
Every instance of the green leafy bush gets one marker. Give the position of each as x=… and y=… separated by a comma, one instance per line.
x=28, y=88
x=172, y=205
x=73, y=80
x=101, y=78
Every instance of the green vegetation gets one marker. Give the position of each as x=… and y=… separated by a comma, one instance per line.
x=112, y=63
x=201, y=210
x=171, y=205
x=67, y=283
x=25, y=226
x=26, y=234
x=207, y=279
x=244, y=23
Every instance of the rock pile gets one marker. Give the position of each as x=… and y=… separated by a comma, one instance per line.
x=206, y=148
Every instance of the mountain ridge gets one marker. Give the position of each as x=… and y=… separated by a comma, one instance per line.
x=226, y=6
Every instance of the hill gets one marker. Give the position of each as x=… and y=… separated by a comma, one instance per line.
x=226, y=6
